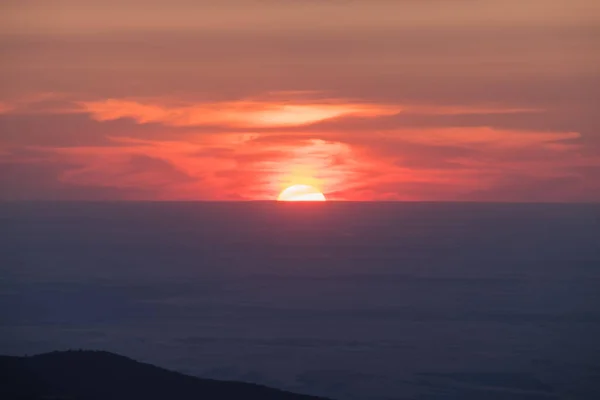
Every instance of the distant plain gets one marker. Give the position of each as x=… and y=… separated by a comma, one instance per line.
x=345, y=300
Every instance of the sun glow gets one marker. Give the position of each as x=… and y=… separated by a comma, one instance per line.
x=301, y=193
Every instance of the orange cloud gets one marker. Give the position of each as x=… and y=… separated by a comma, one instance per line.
x=264, y=113
x=274, y=110
x=246, y=114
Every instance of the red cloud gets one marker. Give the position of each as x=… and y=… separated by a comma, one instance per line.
x=365, y=164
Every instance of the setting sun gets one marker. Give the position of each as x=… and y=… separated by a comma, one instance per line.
x=301, y=193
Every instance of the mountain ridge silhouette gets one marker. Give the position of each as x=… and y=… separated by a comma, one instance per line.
x=99, y=375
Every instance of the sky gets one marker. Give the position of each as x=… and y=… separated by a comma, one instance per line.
x=415, y=100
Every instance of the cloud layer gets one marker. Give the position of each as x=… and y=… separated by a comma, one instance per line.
x=448, y=102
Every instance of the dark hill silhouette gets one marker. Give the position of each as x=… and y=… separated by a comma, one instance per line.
x=99, y=375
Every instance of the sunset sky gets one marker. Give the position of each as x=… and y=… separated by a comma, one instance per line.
x=462, y=100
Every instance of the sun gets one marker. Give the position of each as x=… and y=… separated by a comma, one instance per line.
x=301, y=193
